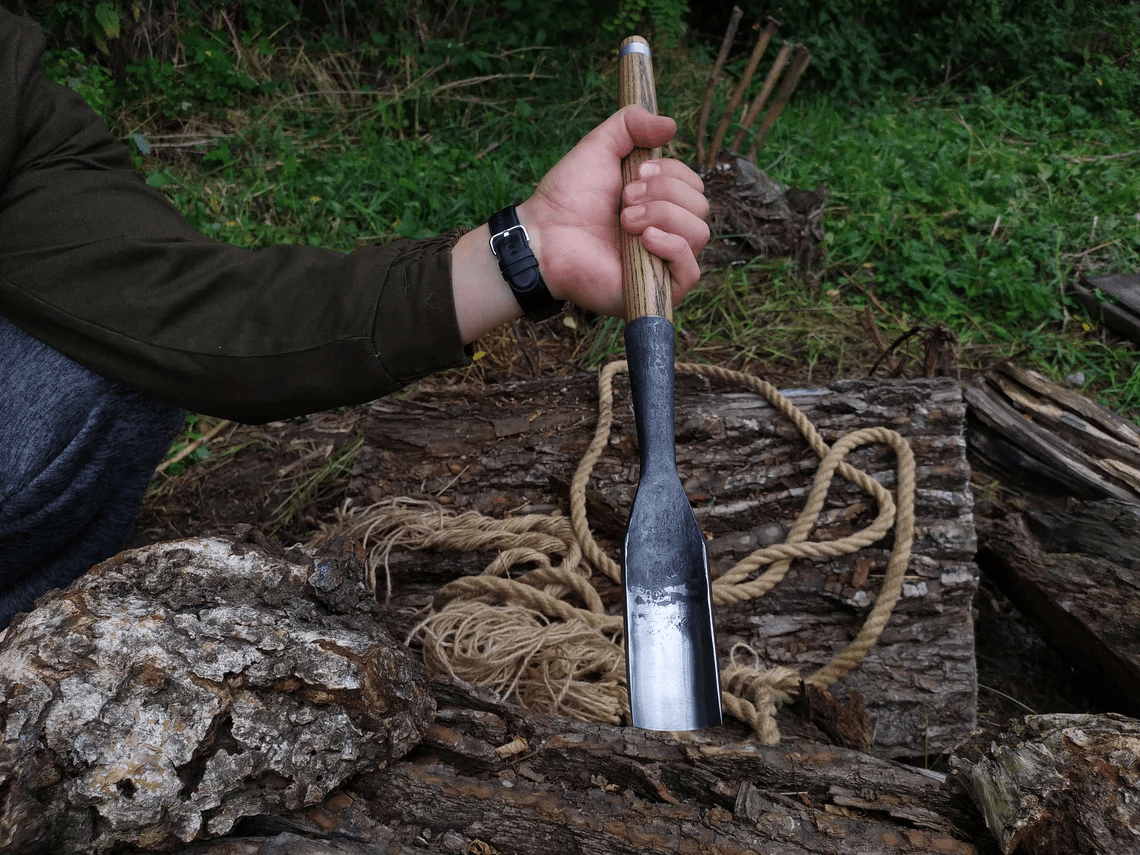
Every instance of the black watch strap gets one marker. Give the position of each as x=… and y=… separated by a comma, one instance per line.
x=511, y=245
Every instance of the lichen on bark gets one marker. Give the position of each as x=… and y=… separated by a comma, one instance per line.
x=179, y=687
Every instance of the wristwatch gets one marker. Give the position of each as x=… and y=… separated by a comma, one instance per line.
x=511, y=245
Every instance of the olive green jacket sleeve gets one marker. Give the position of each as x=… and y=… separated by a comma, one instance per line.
x=103, y=268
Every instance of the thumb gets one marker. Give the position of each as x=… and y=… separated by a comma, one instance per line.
x=632, y=127
x=645, y=129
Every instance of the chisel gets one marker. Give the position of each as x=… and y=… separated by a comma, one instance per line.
x=669, y=639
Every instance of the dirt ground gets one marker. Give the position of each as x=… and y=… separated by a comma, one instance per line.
x=287, y=478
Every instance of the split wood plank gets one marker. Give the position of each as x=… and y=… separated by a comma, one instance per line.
x=1041, y=436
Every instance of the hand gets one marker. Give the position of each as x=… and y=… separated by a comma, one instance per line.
x=572, y=217
x=573, y=222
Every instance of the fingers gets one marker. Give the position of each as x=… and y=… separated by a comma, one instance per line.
x=671, y=169
x=669, y=218
x=675, y=250
x=666, y=188
x=629, y=128
x=645, y=129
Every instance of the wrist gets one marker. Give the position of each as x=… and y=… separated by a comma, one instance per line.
x=483, y=300
x=515, y=250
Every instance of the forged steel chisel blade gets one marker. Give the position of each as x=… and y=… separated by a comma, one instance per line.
x=670, y=644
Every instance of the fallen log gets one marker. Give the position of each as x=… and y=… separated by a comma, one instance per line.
x=577, y=787
x=747, y=471
x=507, y=448
x=1058, y=784
x=206, y=690
x=175, y=689
x=1074, y=571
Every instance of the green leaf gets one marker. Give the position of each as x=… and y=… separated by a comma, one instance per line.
x=158, y=178
x=108, y=19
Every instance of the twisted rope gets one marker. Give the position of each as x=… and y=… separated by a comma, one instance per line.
x=544, y=636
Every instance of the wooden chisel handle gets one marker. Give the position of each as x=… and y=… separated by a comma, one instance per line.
x=646, y=281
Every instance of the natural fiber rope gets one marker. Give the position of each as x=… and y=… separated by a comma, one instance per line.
x=523, y=637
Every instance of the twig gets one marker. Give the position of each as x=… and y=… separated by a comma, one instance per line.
x=192, y=447
x=787, y=87
x=872, y=329
x=1092, y=158
x=710, y=87
x=1010, y=698
x=741, y=88
x=765, y=92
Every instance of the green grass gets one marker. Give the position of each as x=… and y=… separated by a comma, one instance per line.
x=977, y=213
x=347, y=167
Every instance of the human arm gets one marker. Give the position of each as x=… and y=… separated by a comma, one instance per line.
x=106, y=270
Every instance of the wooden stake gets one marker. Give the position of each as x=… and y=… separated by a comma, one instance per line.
x=741, y=88
x=787, y=87
x=710, y=87
x=765, y=92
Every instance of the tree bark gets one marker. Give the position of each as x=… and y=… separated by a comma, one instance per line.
x=1059, y=785
x=589, y=788
x=174, y=689
x=512, y=448
x=747, y=472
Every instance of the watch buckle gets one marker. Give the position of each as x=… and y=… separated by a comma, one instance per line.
x=504, y=233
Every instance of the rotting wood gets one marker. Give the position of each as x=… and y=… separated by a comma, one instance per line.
x=1121, y=310
x=1059, y=784
x=1044, y=437
x=751, y=214
x=174, y=689
x=1074, y=570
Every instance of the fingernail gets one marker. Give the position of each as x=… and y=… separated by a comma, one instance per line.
x=636, y=191
x=635, y=213
x=648, y=170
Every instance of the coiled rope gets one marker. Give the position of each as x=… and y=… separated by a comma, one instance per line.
x=544, y=636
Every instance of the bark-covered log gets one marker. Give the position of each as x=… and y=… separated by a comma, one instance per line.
x=511, y=448
x=1059, y=785
x=177, y=688
x=583, y=788
x=1076, y=571
x=490, y=777
x=747, y=471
